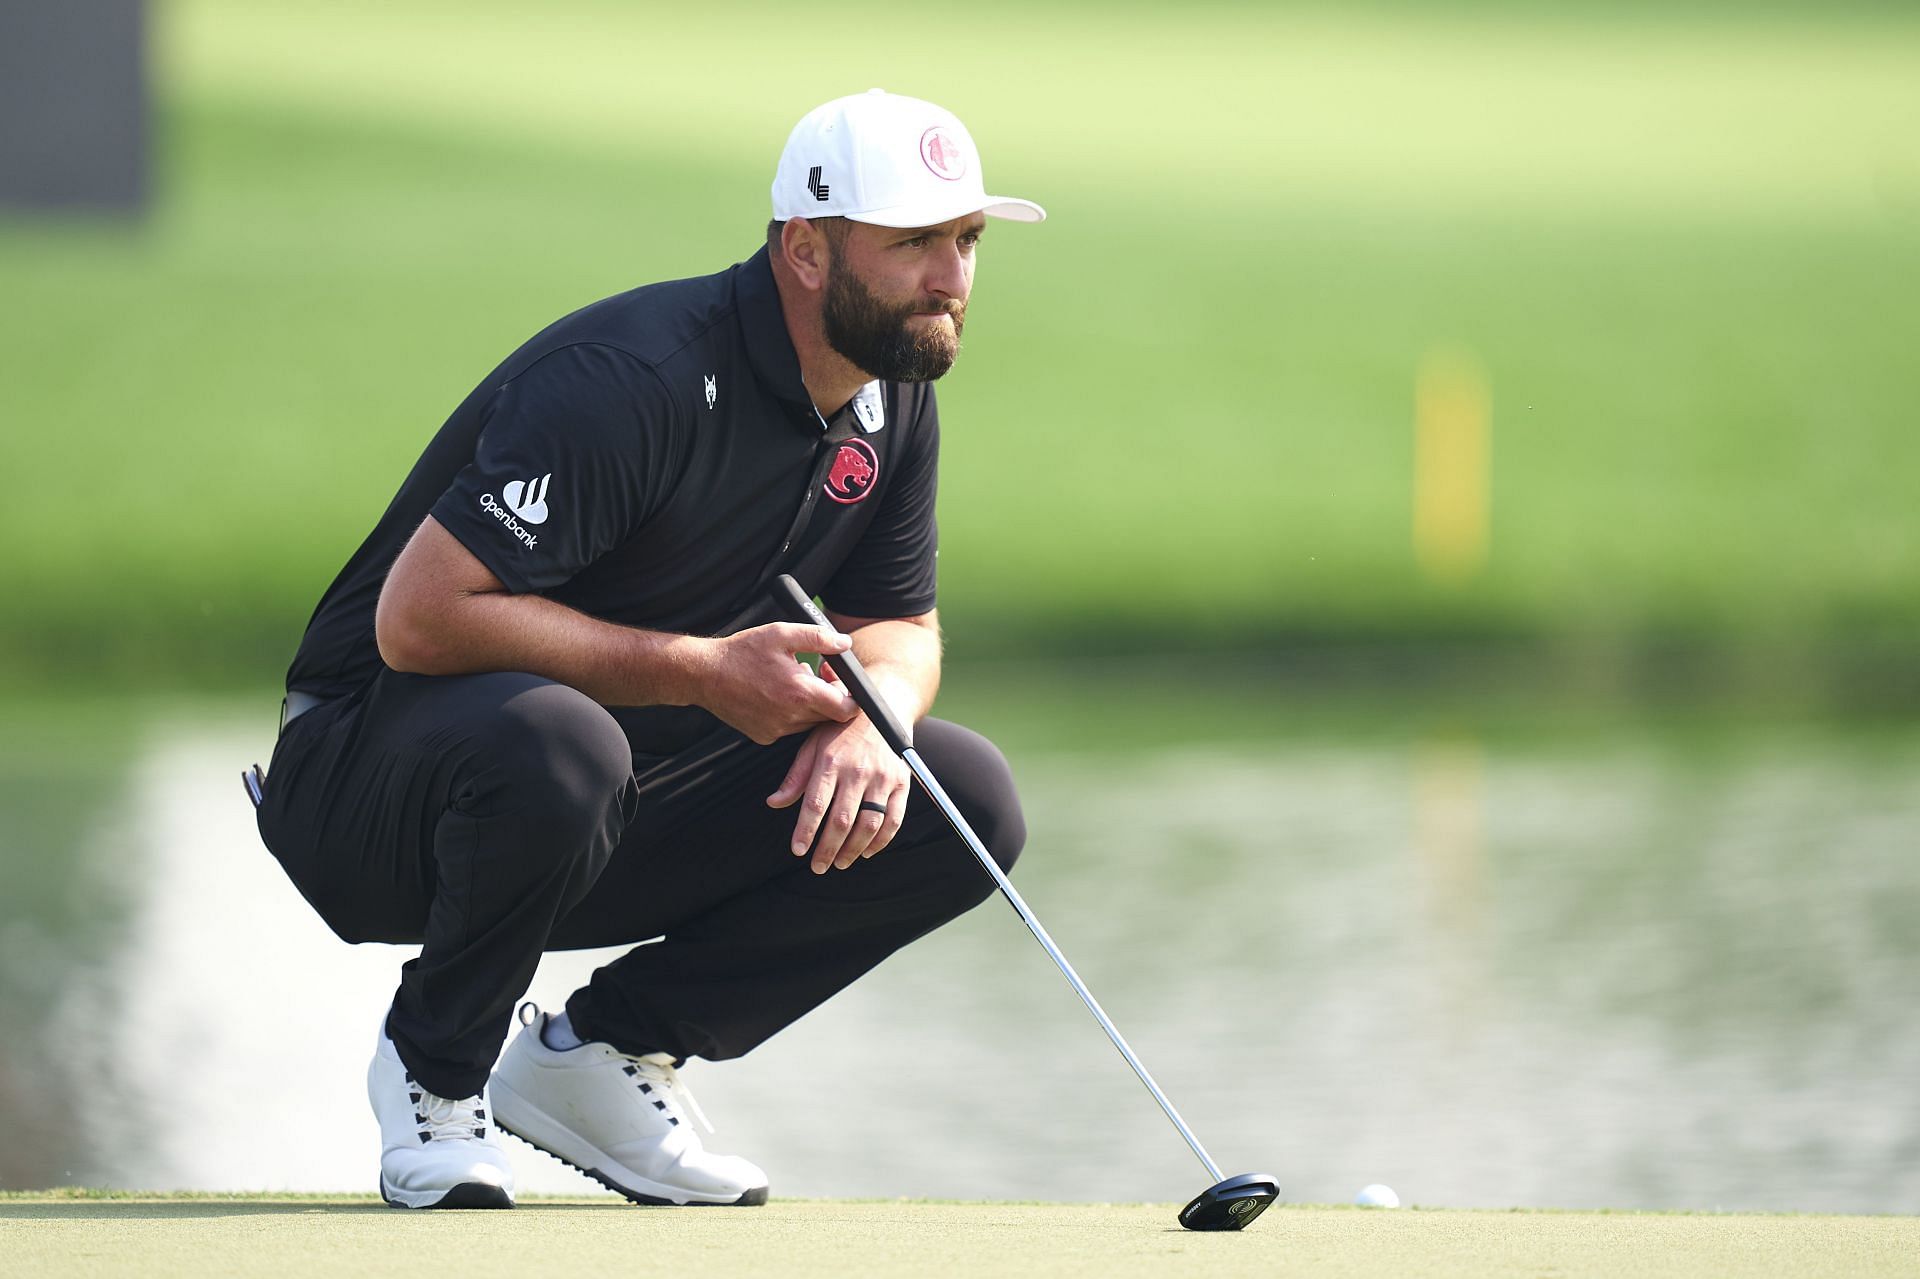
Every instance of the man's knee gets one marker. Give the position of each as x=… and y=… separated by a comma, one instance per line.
x=569, y=741
x=979, y=780
x=556, y=759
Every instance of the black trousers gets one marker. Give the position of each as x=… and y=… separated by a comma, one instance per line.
x=491, y=818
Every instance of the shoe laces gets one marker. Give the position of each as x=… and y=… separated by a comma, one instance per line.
x=660, y=1082
x=653, y=1073
x=439, y=1118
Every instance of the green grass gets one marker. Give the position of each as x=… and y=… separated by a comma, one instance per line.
x=1680, y=245
x=304, y=1235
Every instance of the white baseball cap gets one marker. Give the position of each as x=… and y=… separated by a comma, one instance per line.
x=878, y=157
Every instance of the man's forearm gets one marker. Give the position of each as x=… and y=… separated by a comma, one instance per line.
x=496, y=631
x=902, y=656
x=442, y=612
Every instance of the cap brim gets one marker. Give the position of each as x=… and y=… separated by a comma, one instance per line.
x=913, y=215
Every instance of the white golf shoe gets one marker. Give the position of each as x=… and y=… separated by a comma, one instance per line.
x=435, y=1152
x=621, y=1120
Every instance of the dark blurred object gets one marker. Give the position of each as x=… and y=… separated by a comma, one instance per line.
x=74, y=105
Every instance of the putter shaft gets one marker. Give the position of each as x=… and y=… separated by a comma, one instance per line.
x=939, y=796
x=796, y=603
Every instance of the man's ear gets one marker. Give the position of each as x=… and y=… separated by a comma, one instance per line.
x=805, y=247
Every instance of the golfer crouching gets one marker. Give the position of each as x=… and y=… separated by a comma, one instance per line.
x=544, y=705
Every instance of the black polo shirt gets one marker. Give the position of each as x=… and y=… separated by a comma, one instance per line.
x=654, y=460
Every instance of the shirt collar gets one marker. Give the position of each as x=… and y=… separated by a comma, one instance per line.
x=869, y=408
x=763, y=327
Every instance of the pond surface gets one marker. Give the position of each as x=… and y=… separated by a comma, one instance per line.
x=1619, y=963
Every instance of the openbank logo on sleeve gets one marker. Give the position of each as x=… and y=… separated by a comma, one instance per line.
x=526, y=499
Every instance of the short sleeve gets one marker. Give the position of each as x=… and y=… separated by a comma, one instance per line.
x=893, y=569
x=572, y=459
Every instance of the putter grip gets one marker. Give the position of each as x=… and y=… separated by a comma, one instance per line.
x=799, y=607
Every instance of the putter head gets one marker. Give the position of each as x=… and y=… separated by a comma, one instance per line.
x=1231, y=1204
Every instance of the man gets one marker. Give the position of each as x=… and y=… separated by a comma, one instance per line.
x=544, y=706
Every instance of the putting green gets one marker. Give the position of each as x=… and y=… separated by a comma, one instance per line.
x=292, y=1237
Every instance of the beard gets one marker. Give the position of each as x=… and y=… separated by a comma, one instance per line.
x=876, y=338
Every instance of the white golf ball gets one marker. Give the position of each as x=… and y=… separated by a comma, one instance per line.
x=1377, y=1196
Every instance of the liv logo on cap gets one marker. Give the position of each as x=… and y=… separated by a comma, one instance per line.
x=889, y=160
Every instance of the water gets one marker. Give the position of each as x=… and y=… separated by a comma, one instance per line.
x=1627, y=964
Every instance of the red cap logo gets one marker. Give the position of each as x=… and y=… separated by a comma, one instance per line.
x=855, y=467
x=943, y=155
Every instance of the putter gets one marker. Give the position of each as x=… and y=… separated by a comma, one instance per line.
x=1231, y=1202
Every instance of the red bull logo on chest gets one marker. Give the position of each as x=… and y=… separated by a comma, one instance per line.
x=855, y=468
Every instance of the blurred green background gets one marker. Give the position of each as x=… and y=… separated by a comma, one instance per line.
x=1680, y=244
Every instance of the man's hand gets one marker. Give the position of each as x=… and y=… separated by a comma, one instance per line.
x=754, y=681
x=838, y=767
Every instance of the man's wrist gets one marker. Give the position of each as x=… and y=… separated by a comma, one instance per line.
x=901, y=694
x=682, y=670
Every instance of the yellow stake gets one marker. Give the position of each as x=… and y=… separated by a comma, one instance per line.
x=1451, y=449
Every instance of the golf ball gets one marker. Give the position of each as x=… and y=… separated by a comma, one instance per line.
x=1377, y=1196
